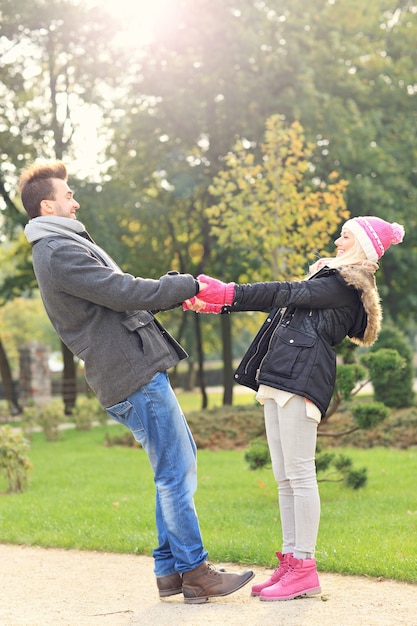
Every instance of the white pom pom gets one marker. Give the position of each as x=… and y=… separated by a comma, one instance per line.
x=397, y=233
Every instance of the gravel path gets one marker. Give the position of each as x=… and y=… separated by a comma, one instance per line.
x=40, y=587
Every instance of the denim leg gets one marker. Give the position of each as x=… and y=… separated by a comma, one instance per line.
x=155, y=419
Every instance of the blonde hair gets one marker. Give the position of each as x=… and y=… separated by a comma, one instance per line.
x=354, y=256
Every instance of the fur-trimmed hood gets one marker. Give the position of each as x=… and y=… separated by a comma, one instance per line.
x=364, y=282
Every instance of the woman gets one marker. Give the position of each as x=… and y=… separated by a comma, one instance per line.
x=292, y=366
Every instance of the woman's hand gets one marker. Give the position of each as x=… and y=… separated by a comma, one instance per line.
x=212, y=297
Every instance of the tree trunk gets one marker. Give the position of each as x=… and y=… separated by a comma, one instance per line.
x=69, y=380
x=8, y=387
x=226, y=325
x=200, y=361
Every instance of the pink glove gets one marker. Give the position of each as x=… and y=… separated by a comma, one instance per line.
x=216, y=291
x=209, y=308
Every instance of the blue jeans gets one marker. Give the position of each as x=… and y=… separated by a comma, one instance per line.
x=156, y=421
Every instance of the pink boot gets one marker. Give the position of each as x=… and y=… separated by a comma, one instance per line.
x=300, y=580
x=276, y=576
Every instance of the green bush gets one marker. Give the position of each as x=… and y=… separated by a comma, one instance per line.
x=370, y=414
x=348, y=375
x=257, y=455
x=329, y=466
x=121, y=439
x=396, y=390
x=13, y=459
x=51, y=416
x=87, y=411
x=323, y=460
x=29, y=419
x=338, y=468
x=356, y=478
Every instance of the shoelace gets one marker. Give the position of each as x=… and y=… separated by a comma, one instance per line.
x=212, y=570
x=282, y=567
x=291, y=572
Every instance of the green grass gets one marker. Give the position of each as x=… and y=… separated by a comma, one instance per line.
x=191, y=400
x=84, y=495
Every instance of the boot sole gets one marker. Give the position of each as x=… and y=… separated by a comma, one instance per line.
x=292, y=596
x=170, y=592
x=202, y=599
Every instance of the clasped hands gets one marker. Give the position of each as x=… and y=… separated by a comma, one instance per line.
x=212, y=297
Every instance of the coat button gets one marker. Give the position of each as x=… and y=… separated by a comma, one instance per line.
x=291, y=340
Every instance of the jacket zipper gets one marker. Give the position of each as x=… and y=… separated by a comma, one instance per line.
x=271, y=338
x=279, y=312
x=258, y=371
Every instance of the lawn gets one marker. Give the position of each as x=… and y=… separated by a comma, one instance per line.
x=85, y=495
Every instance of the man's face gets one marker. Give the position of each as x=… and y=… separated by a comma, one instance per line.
x=64, y=204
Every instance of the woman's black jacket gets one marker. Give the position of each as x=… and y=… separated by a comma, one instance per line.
x=293, y=350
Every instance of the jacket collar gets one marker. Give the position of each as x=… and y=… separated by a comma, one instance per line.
x=364, y=282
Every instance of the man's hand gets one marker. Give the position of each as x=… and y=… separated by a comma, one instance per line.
x=199, y=306
x=212, y=297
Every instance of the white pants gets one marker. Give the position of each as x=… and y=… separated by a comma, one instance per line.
x=292, y=444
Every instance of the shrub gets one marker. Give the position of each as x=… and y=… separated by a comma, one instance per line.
x=338, y=468
x=356, y=478
x=51, y=416
x=122, y=439
x=257, y=455
x=370, y=414
x=88, y=410
x=331, y=467
x=348, y=375
x=396, y=389
x=323, y=460
x=13, y=459
x=29, y=419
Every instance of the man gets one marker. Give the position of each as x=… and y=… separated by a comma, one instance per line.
x=104, y=317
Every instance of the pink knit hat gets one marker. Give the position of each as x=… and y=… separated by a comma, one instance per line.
x=375, y=235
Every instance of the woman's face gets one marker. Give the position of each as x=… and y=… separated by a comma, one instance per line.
x=345, y=242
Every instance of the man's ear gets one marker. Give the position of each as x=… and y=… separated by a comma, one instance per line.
x=46, y=208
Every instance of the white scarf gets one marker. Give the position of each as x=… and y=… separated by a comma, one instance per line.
x=43, y=226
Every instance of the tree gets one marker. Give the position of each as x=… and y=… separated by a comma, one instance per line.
x=354, y=68
x=182, y=121
x=14, y=277
x=273, y=207
x=48, y=81
x=216, y=72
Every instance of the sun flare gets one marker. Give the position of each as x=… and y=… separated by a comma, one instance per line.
x=139, y=18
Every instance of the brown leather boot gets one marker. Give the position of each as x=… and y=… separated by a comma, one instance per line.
x=169, y=585
x=206, y=582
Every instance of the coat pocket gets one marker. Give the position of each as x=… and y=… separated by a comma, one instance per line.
x=290, y=352
x=137, y=320
x=152, y=342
